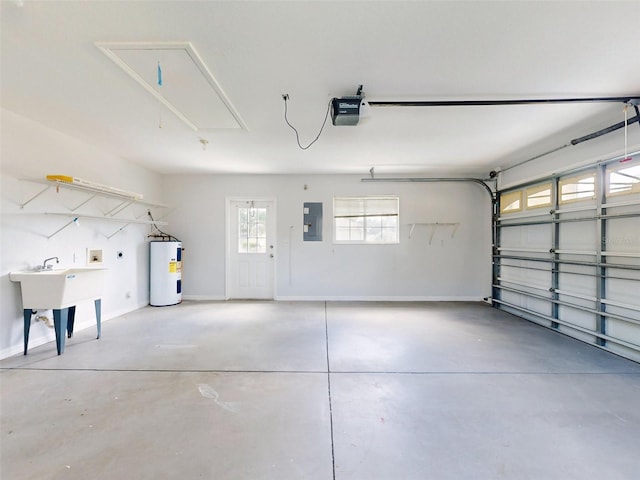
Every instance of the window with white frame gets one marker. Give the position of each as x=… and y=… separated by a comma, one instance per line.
x=252, y=229
x=372, y=219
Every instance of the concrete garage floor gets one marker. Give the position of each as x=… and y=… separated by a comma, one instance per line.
x=242, y=390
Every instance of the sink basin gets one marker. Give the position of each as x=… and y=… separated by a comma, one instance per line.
x=58, y=289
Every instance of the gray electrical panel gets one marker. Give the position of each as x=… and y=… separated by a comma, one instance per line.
x=312, y=222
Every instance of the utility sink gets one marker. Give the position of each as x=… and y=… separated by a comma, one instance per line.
x=59, y=290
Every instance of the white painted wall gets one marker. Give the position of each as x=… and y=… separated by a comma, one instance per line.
x=31, y=150
x=455, y=268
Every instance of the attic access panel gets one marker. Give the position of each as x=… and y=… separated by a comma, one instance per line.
x=187, y=87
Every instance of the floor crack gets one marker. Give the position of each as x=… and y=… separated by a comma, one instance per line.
x=326, y=333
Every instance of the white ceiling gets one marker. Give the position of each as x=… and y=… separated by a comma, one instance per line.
x=53, y=72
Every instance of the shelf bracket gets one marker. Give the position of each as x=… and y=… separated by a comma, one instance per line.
x=118, y=208
x=34, y=197
x=117, y=231
x=63, y=227
x=434, y=227
x=85, y=202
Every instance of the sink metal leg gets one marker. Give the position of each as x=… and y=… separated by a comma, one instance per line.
x=63, y=321
x=27, y=327
x=60, y=325
x=98, y=304
x=70, y=321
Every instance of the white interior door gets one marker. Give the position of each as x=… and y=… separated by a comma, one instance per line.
x=251, y=249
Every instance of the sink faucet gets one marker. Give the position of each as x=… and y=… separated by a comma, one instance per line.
x=49, y=267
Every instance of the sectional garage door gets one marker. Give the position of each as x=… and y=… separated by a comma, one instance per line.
x=567, y=254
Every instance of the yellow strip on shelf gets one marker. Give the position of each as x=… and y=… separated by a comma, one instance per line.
x=94, y=186
x=60, y=178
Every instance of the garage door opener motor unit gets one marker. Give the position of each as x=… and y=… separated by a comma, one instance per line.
x=346, y=110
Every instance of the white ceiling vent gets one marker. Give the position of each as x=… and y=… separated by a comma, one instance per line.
x=174, y=73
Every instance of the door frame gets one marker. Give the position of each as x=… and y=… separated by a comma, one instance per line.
x=227, y=228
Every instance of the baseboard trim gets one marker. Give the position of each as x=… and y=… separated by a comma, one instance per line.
x=294, y=298
x=203, y=298
x=335, y=298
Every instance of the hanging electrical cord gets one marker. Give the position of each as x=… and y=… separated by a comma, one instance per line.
x=285, y=97
x=162, y=234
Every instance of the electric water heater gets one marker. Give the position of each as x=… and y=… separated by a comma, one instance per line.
x=165, y=273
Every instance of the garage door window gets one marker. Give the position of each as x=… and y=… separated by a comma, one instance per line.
x=623, y=179
x=539, y=196
x=575, y=189
x=511, y=202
